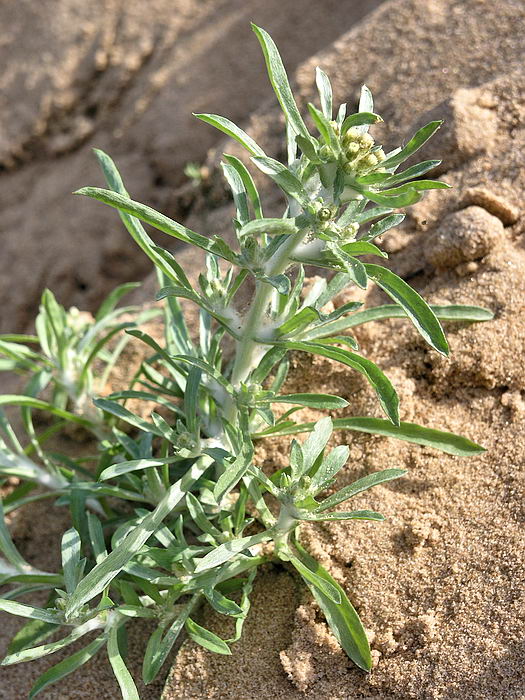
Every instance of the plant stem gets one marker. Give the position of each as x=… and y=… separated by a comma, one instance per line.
x=246, y=355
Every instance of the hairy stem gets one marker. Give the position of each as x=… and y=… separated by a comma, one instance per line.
x=246, y=352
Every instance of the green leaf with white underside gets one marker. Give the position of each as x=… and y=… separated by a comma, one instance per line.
x=342, y=618
x=159, y=647
x=325, y=92
x=249, y=184
x=206, y=639
x=352, y=515
x=228, y=550
x=154, y=218
x=282, y=177
x=381, y=384
x=67, y=666
x=382, y=226
x=50, y=648
x=359, y=486
x=454, y=312
x=123, y=676
x=414, y=305
x=358, y=119
x=232, y=130
x=279, y=81
x=269, y=226
x=121, y=412
x=134, y=465
x=413, y=145
x=449, y=443
x=23, y=610
x=30, y=402
x=318, y=582
x=321, y=401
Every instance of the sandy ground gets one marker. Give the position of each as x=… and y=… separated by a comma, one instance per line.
x=439, y=585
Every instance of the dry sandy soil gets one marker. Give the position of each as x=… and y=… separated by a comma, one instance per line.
x=440, y=584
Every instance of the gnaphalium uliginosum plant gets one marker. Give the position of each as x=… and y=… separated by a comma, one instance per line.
x=201, y=522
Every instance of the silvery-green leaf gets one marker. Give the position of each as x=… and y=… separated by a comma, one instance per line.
x=249, y=184
x=206, y=639
x=359, y=486
x=325, y=92
x=123, y=676
x=67, y=666
x=381, y=384
x=414, y=305
x=104, y=572
x=279, y=81
x=413, y=145
x=341, y=617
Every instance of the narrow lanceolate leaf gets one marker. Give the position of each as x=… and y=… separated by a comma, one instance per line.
x=221, y=604
x=382, y=226
x=269, y=226
x=232, y=130
x=331, y=464
x=67, y=666
x=413, y=145
x=50, y=648
x=228, y=550
x=133, y=465
x=121, y=412
x=319, y=582
x=380, y=382
x=321, y=401
x=411, y=432
x=282, y=177
x=123, y=676
x=352, y=515
x=249, y=184
x=206, y=639
x=7, y=546
x=279, y=81
x=162, y=259
x=325, y=92
x=359, y=486
x=408, y=174
x=233, y=472
x=415, y=306
x=70, y=558
x=104, y=572
x=314, y=445
x=159, y=647
x=341, y=617
x=152, y=217
x=454, y=312
x=23, y=610
x=358, y=119
x=30, y=634
x=366, y=101
x=30, y=402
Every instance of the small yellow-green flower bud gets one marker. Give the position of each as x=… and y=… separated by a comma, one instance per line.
x=366, y=140
x=352, y=150
x=369, y=161
x=351, y=230
x=351, y=135
x=380, y=155
x=325, y=214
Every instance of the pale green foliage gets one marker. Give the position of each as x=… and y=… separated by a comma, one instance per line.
x=199, y=524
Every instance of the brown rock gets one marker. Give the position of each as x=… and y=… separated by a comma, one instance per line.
x=461, y=237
